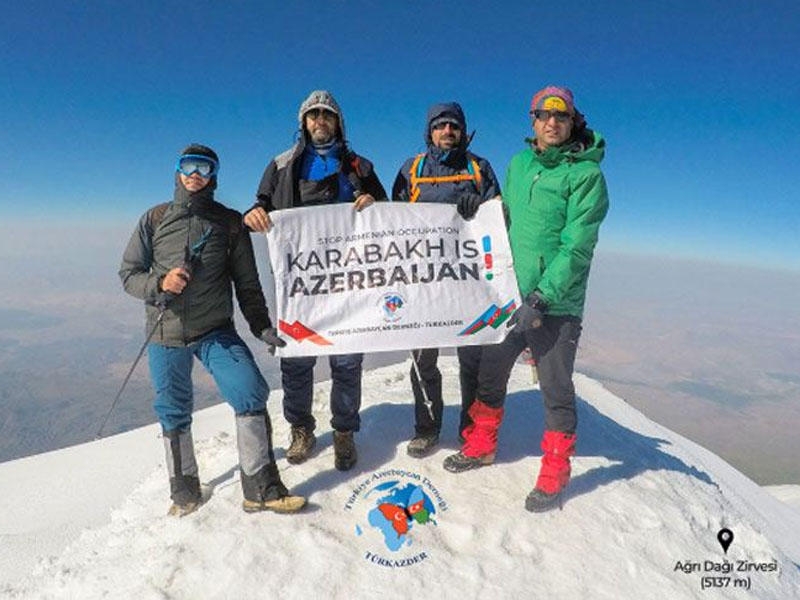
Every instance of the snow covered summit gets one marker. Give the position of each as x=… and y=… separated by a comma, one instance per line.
x=640, y=520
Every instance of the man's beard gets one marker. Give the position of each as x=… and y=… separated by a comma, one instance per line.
x=322, y=136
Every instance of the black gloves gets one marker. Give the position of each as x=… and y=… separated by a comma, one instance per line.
x=530, y=315
x=270, y=337
x=467, y=204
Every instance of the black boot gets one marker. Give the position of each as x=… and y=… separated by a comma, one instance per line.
x=344, y=449
x=422, y=444
x=184, y=484
x=185, y=494
x=539, y=501
x=460, y=462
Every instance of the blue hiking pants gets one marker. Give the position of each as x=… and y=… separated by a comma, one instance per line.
x=297, y=378
x=225, y=356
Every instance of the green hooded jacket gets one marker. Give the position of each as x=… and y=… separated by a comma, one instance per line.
x=556, y=201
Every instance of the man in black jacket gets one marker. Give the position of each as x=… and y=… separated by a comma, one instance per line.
x=447, y=173
x=319, y=169
x=181, y=260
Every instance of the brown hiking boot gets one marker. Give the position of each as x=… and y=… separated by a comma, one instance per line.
x=284, y=504
x=264, y=491
x=181, y=510
x=344, y=449
x=303, y=441
x=185, y=494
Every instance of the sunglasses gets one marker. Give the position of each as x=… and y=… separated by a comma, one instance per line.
x=320, y=113
x=453, y=126
x=545, y=115
x=188, y=164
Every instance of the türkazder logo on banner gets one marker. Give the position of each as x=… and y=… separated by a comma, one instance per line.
x=393, y=276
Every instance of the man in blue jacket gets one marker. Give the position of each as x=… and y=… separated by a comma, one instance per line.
x=447, y=172
x=319, y=169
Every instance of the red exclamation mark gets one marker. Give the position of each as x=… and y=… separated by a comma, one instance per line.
x=487, y=256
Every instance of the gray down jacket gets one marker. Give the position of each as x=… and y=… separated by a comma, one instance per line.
x=163, y=240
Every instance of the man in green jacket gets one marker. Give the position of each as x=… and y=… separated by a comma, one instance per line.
x=556, y=197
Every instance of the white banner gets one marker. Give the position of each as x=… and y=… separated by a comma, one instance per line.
x=394, y=276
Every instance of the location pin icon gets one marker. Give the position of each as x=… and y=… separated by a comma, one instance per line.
x=725, y=537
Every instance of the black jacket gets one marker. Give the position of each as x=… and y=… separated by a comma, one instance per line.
x=279, y=187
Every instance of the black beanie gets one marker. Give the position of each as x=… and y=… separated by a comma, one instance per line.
x=200, y=150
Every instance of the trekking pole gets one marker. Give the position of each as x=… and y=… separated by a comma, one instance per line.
x=426, y=400
x=162, y=308
x=527, y=358
x=163, y=299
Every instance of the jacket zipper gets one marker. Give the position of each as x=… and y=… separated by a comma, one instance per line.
x=533, y=184
x=185, y=294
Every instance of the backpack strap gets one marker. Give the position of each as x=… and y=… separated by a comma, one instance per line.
x=476, y=173
x=414, y=176
x=353, y=172
x=155, y=215
x=355, y=164
x=473, y=174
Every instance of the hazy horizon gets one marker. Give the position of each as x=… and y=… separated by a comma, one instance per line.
x=711, y=351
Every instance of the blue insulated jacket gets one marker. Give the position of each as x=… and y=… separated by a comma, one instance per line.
x=443, y=163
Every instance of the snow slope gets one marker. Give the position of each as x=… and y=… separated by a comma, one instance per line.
x=788, y=494
x=644, y=506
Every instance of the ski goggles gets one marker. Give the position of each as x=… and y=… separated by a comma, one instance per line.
x=189, y=164
x=545, y=115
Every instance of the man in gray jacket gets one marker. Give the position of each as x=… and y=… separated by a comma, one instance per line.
x=181, y=260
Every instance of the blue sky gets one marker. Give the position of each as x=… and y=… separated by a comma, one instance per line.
x=697, y=100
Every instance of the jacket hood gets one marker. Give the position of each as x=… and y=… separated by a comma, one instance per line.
x=321, y=99
x=183, y=197
x=441, y=110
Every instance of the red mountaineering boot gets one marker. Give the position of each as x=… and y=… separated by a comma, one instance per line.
x=480, y=439
x=558, y=447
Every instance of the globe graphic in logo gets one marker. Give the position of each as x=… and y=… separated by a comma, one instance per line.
x=397, y=508
x=392, y=306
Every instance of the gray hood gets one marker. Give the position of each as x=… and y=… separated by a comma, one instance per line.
x=321, y=99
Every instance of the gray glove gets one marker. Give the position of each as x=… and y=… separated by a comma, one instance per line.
x=270, y=337
x=529, y=315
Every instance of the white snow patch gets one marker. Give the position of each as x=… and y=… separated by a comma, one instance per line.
x=89, y=521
